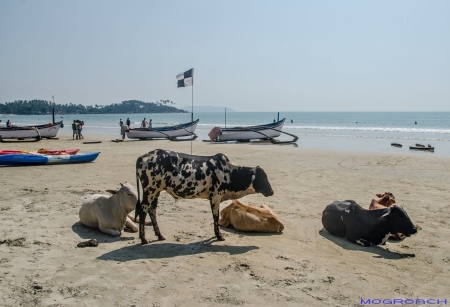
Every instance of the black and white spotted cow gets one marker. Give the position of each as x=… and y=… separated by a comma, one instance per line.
x=365, y=227
x=187, y=176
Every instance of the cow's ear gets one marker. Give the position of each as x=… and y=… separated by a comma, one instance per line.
x=379, y=195
x=112, y=191
x=122, y=184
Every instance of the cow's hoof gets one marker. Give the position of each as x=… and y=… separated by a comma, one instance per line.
x=144, y=241
x=161, y=238
x=220, y=238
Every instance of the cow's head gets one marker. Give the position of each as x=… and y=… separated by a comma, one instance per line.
x=127, y=194
x=399, y=221
x=261, y=182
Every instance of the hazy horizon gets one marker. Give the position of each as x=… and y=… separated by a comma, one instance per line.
x=266, y=56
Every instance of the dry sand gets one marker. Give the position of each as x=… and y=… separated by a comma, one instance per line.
x=40, y=264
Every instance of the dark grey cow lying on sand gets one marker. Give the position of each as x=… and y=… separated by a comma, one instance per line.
x=365, y=227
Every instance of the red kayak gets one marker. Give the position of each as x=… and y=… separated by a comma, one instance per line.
x=40, y=151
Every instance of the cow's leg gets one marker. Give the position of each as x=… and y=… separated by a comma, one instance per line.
x=215, y=205
x=152, y=214
x=142, y=211
x=110, y=231
x=130, y=225
x=360, y=241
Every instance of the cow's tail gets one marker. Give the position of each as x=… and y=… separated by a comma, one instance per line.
x=138, y=208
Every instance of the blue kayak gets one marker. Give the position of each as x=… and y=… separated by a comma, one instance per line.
x=36, y=159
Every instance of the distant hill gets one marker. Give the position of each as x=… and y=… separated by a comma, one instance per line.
x=205, y=109
x=36, y=106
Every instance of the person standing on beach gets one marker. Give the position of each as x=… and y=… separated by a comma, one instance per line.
x=128, y=122
x=150, y=123
x=74, y=130
x=8, y=123
x=144, y=123
x=121, y=123
x=79, y=128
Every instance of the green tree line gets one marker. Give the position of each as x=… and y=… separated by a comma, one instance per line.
x=36, y=106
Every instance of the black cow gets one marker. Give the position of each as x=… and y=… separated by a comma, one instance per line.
x=366, y=227
x=187, y=176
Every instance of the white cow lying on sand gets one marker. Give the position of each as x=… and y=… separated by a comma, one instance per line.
x=109, y=213
x=248, y=218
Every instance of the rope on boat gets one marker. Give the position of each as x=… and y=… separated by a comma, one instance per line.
x=38, y=137
x=194, y=136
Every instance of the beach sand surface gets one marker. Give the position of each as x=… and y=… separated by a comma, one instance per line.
x=40, y=264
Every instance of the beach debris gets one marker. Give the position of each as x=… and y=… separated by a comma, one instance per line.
x=14, y=242
x=92, y=142
x=89, y=243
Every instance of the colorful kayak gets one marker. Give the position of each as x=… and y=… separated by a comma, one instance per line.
x=40, y=151
x=38, y=159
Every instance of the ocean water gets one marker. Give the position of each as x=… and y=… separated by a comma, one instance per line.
x=364, y=131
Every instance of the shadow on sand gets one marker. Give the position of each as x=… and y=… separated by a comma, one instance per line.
x=87, y=233
x=168, y=250
x=378, y=251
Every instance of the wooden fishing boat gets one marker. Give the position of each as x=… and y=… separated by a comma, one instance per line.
x=40, y=151
x=169, y=132
x=422, y=148
x=396, y=145
x=248, y=133
x=38, y=159
x=37, y=131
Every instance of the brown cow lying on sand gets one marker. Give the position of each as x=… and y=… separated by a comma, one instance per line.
x=248, y=218
x=386, y=200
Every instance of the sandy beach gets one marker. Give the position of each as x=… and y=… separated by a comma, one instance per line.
x=40, y=264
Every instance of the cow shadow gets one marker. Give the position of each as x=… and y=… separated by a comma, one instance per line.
x=231, y=230
x=379, y=252
x=87, y=233
x=161, y=250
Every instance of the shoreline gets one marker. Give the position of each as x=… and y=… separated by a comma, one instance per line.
x=337, y=143
x=304, y=265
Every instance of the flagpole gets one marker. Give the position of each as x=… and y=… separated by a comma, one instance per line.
x=192, y=113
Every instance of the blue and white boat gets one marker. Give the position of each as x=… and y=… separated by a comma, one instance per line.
x=38, y=159
x=168, y=132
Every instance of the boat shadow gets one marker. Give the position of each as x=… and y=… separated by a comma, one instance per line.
x=379, y=252
x=162, y=249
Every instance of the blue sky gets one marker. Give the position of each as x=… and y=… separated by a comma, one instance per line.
x=247, y=55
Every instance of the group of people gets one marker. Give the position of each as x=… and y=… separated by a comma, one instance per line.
x=77, y=126
x=128, y=122
x=145, y=124
x=124, y=128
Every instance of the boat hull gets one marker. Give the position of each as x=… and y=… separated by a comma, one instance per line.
x=163, y=132
x=37, y=159
x=429, y=149
x=16, y=132
x=252, y=132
